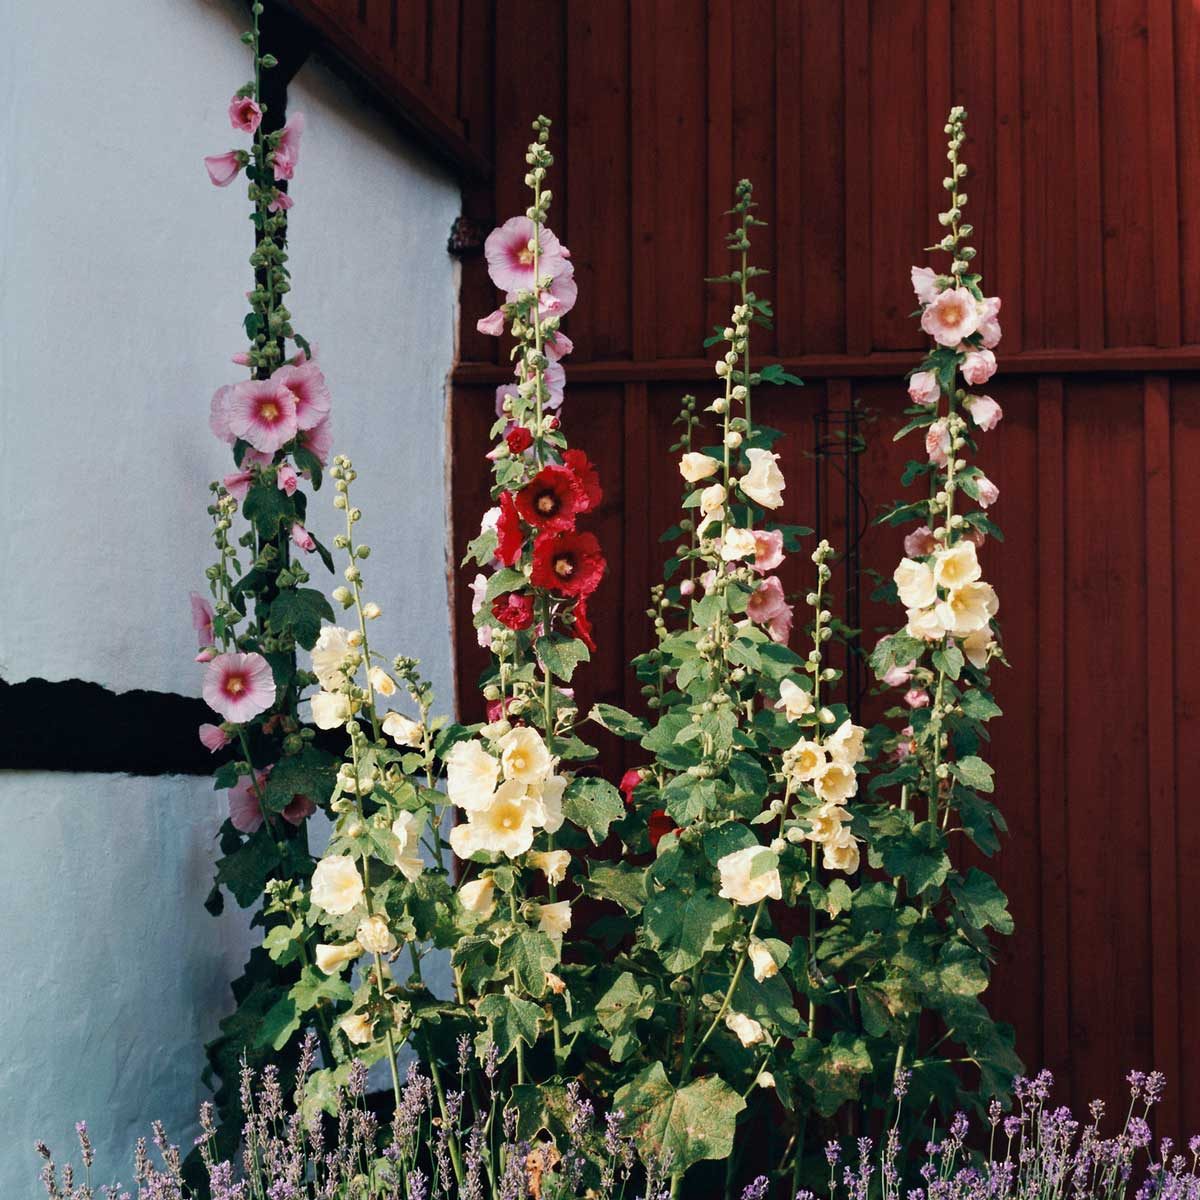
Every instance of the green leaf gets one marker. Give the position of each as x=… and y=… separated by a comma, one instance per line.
x=683, y=928
x=561, y=657
x=897, y=650
x=978, y=705
x=950, y=660
x=981, y=902
x=278, y=1024
x=474, y=958
x=918, y=856
x=310, y=773
x=299, y=611
x=617, y=720
x=284, y=943
x=509, y=1020
x=834, y=1072
x=592, y=804
x=621, y=884
x=505, y=580
x=267, y=506
x=314, y=986
x=688, y=1124
x=246, y=870
x=527, y=955
x=974, y=773
x=619, y=1009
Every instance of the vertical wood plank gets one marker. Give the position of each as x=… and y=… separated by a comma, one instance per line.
x=641, y=132
x=1164, y=181
x=637, y=536
x=445, y=47
x=1009, y=124
x=856, y=42
x=1089, y=237
x=1186, y=43
x=1160, y=723
x=719, y=91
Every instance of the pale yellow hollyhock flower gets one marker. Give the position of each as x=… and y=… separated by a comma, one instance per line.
x=695, y=466
x=836, y=782
x=381, y=682
x=764, y=482
x=551, y=801
x=555, y=919
x=841, y=853
x=328, y=655
x=737, y=543
x=973, y=606
x=794, y=700
x=975, y=646
x=479, y=896
x=765, y=1079
x=552, y=863
x=712, y=506
x=330, y=710
x=336, y=885
x=330, y=958
x=930, y=624
x=524, y=757
x=358, y=1028
x=747, y=1030
x=408, y=859
x=402, y=730
x=826, y=822
x=739, y=885
x=762, y=960
x=915, y=583
x=955, y=567
x=471, y=775
x=806, y=760
x=506, y=826
x=374, y=936
x=845, y=744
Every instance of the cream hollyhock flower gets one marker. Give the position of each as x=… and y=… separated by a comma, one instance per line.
x=552, y=863
x=738, y=543
x=471, y=776
x=762, y=960
x=381, y=682
x=554, y=919
x=330, y=958
x=741, y=884
x=408, y=859
x=506, y=826
x=826, y=822
x=765, y=1080
x=972, y=606
x=712, y=506
x=337, y=886
x=841, y=853
x=976, y=646
x=374, y=936
x=915, y=583
x=524, y=757
x=930, y=624
x=551, y=801
x=805, y=760
x=836, y=782
x=747, y=1030
x=764, y=482
x=952, y=568
x=358, y=1028
x=695, y=466
x=479, y=896
x=402, y=730
x=330, y=710
x=845, y=744
x=794, y=700
x=328, y=655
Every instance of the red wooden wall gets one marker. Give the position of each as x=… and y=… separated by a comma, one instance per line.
x=1085, y=191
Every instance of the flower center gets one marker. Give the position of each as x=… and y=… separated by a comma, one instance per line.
x=269, y=410
x=547, y=503
x=235, y=685
x=525, y=256
x=564, y=566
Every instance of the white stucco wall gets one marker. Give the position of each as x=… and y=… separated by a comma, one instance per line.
x=121, y=276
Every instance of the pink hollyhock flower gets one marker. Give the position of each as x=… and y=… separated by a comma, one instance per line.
x=559, y=298
x=218, y=414
x=989, y=493
x=213, y=738
x=307, y=385
x=768, y=606
x=687, y=588
x=953, y=315
x=239, y=686
x=629, y=781
x=263, y=413
x=318, y=441
x=978, y=367
x=899, y=675
x=244, y=113
x=303, y=538
x=779, y=627
x=916, y=698
x=202, y=619
x=768, y=550
x=924, y=281
x=223, y=169
x=287, y=152
x=923, y=388
x=510, y=258
x=280, y=202
x=985, y=412
x=245, y=812
x=558, y=346
x=238, y=484
x=503, y=392
x=554, y=377
x=937, y=443
x=492, y=324
x=286, y=479
x=989, y=325
x=206, y=655
x=920, y=542
x=241, y=358
x=975, y=535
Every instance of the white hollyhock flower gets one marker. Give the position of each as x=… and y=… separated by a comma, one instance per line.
x=330, y=710
x=408, y=858
x=695, y=466
x=358, y=1028
x=972, y=607
x=381, y=682
x=764, y=482
x=330, y=958
x=712, y=506
x=840, y=853
x=739, y=881
x=794, y=700
x=976, y=645
x=762, y=960
x=471, y=776
x=374, y=936
x=524, y=757
x=826, y=822
x=337, y=886
x=930, y=624
x=554, y=919
x=402, y=730
x=845, y=744
x=915, y=583
x=747, y=1030
x=552, y=863
x=738, y=543
x=953, y=568
x=506, y=826
x=805, y=760
x=479, y=896
x=836, y=782
x=551, y=800
x=329, y=655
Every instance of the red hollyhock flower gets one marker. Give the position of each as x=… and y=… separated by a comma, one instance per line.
x=583, y=627
x=629, y=781
x=577, y=463
x=519, y=440
x=514, y=610
x=568, y=563
x=659, y=826
x=551, y=499
x=509, y=537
